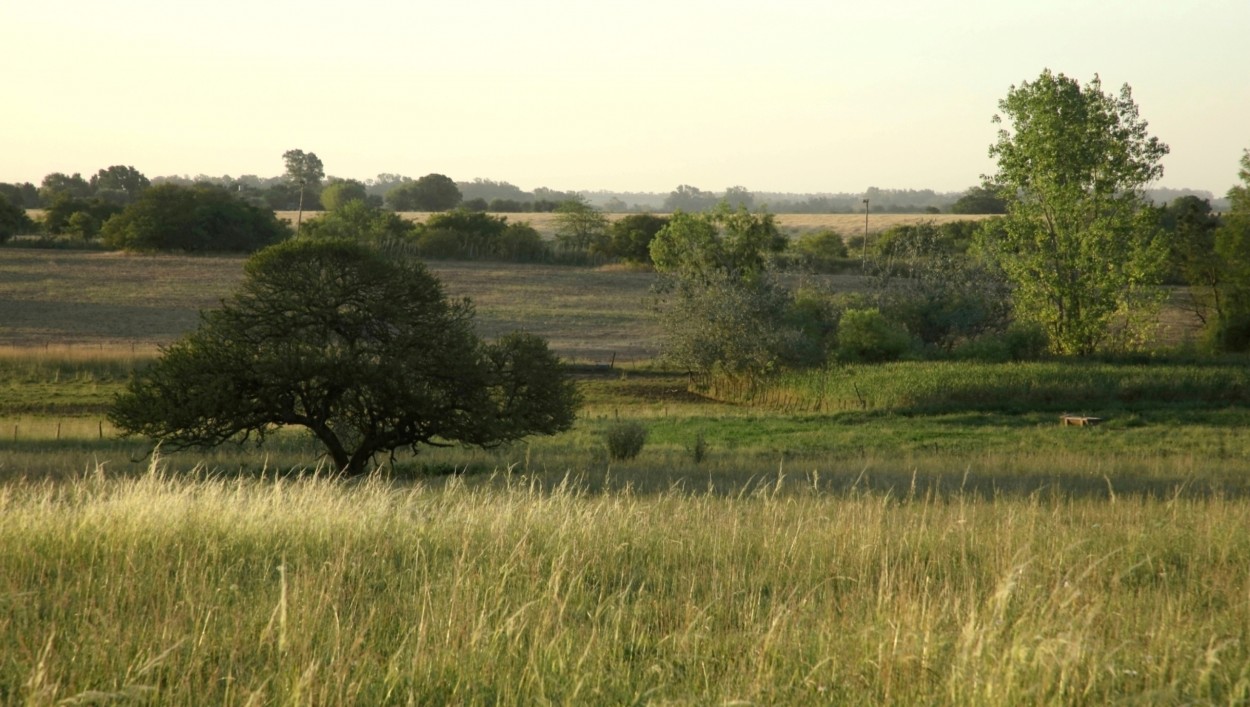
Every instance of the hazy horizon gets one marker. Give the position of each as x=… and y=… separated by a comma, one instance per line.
x=794, y=96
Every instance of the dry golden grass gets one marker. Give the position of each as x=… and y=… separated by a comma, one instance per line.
x=114, y=301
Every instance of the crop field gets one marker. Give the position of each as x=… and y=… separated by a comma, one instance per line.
x=900, y=534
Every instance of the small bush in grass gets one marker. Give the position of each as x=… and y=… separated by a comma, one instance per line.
x=626, y=440
x=1026, y=341
x=1022, y=341
x=698, y=450
x=866, y=336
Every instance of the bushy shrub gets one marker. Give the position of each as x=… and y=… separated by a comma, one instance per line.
x=1230, y=333
x=200, y=218
x=812, y=318
x=632, y=236
x=475, y=235
x=698, y=450
x=357, y=220
x=1026, y=341
x=866, y=336
x=1021, y=341
x=823, y=251
x=520, y=242
x=942, y=296
x=439, y=243
x=625, y=439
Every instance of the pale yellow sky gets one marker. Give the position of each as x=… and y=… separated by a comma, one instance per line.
x=787, y=95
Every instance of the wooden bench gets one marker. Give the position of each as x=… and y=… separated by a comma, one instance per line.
x=1078, y=421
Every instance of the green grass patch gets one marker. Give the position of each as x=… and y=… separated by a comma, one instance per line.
x=948, y=386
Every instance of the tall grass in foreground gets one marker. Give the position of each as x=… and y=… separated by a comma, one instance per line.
x=213, y=591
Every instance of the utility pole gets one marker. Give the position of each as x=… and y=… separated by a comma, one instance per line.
x=865, y=257
x=299, y=215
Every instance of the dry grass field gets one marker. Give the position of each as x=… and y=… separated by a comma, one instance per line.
x=56, y=297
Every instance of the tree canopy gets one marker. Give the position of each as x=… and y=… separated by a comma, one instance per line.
x=201, y=218
x=1232, y=248
x=1077, y=242
x=340, y=192
x=13, y=220
x=120, y=184
x=720, y=305
x=303, y=168
x=724, y=240
x=364, y=351
x=433, y=192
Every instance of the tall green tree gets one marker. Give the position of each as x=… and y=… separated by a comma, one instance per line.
x=1078, y=243
x=24, y=195
x=581, y=227
x=119, y=184
x=737, y=242
x=364, y=351
x=340, y=192
x=632, y=236
x=13, y=220
x=433, y=192
x=82, y=217
x=303, y=168
x=979, y=200
x=721, y=306
x=304, y=172
x=1232, y=246
x=1191, y=226
x=60, y=185
x=688, y=198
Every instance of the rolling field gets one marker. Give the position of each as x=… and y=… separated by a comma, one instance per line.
x=51, y=297
x=910, y=534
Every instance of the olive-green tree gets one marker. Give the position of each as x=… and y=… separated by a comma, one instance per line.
x=632, y=236
x=1078, y=243
x=13, y=220
x=720, y=303
x=199, y=218
x=364, y=351
x=433, y=192
x=340, y=192
x=357, y=220
x=581, y=227
x=119, y=184
x=1232, y=246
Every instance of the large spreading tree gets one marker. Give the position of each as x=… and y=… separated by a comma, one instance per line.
x=364, y=351
x=1080, y=247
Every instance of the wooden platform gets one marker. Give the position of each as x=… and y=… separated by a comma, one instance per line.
x=1079, y=421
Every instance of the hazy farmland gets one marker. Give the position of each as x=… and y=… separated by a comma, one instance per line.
x=847, y=225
